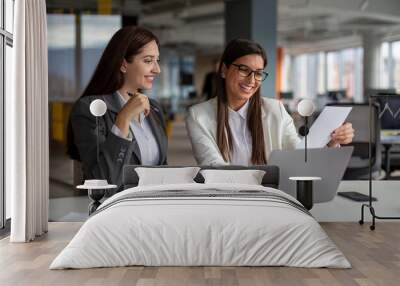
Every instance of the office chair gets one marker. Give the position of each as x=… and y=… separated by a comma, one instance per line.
x=358, y=168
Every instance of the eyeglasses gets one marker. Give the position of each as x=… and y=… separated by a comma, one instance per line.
x=245, y=71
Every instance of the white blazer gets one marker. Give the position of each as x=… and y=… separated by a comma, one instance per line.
x=201, y=124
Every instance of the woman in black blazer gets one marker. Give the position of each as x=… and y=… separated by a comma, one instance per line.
x=132, y=131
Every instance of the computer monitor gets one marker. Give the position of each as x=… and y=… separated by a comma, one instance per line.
x=186, y=78
x=336, y=95
x=286, y=95
x=377, y=91
x=389, y=111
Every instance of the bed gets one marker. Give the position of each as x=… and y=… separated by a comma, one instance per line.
x=201, y=224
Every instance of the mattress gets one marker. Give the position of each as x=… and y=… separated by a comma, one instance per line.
x=201, y=225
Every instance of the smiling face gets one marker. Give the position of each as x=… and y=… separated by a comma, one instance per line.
x=141, y=71
x=240, y=88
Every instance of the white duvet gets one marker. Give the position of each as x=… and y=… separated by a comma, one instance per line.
x=200, y=231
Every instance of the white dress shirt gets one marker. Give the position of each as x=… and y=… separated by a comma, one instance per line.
x=201, y=123
x=148, y=146
x=241, y=137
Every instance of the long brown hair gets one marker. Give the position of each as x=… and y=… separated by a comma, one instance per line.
x=235, y=49
x=107, y=77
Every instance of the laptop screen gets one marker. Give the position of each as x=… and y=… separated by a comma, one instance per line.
x=389, y=112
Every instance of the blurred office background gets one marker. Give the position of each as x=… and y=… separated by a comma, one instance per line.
x=330, y=51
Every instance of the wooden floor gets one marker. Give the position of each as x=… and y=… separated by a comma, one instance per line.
x=375, y=257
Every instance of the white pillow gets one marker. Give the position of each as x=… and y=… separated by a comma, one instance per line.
x=249, y=177
x=166, y=176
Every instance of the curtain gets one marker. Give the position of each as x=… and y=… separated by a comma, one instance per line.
x=27, y=148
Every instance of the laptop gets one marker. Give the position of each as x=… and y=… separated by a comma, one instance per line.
x=327, y=163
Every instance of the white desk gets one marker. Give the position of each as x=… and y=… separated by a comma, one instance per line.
x=388, y=139
x=342, y=209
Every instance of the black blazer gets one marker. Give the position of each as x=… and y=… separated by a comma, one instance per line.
x=115, y=152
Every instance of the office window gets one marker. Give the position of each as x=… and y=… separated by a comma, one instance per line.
x=396, y=65
x=389, y=66
x=307, y=78
x=61, y=55
x=70, y=72
x=316, y=73
x=384, y=62
x=333, y=70
x=348, y=74
x=312, y=69
x=175, y=83
x=97, y=30
x=164, y=77
x=321, y=89
x=172, y=68
x=286, y=73
x=344, y=72
x=358, y=75
x=347, y=79
x=300, y=81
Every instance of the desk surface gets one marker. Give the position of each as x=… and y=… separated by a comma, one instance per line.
x=343, y=209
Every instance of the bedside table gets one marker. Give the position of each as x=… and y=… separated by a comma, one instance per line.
x=95, y=193
x=304, y=190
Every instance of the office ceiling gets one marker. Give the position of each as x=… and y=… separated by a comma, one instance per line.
x=200, y=23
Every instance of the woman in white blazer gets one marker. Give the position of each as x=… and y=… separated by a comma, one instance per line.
x=238, y=126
